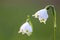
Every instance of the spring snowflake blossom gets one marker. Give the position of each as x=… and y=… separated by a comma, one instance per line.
x=26, y=28
x=42, y=15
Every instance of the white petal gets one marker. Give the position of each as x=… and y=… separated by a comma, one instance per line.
x=43, y=14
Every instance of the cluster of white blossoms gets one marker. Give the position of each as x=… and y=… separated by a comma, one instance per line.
x=26, y=28
x=42, y=15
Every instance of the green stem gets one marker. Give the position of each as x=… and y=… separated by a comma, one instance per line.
x=54, y=17
x=29, y=20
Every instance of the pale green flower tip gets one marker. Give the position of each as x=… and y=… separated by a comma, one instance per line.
x=26, y=29
x=35, y=15
x=55, y=26
x=29, y=33
x=43, y=22
x=18, y=31
x=28, y=17
x=27, y=20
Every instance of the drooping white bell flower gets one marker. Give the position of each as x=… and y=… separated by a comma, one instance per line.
x=26, y=28
x=42, y=15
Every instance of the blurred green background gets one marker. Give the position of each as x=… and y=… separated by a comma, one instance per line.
x=13, y=13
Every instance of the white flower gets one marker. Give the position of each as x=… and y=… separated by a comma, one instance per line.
x=26, y=28
x=41, y=15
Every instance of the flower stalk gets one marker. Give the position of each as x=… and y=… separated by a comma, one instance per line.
x=28, y=19
x=54, y=17
x=26, y=28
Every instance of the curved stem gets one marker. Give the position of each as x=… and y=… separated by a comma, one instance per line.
x=54, y=17
x=53, y=9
